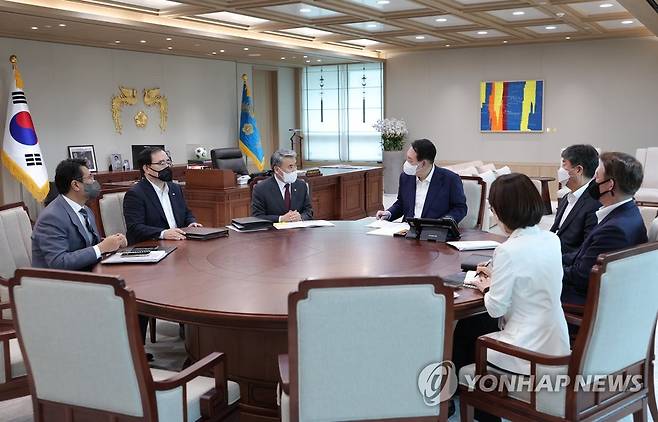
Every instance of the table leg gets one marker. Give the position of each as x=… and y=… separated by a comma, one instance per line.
x=546, y=197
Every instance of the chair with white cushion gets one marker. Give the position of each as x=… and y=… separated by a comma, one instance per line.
x=85, y=357
x=653, y=231
x=615, y=338
x=648, y=192
x=111, y=210
x=475, y=190
x=356, y=348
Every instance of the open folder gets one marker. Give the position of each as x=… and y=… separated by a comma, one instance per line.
x=152, y=257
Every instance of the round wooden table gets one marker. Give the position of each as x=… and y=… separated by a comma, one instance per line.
x=233, y=291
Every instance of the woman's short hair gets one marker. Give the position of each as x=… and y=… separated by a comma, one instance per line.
x=516, y=201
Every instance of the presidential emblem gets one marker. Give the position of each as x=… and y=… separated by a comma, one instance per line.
x=248, y=129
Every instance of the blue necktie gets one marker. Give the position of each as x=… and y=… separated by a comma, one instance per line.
x=90, y=229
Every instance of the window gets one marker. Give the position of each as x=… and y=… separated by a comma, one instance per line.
x=339, y=106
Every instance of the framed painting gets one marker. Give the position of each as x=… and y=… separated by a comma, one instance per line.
x=86, y=152
x=512, y=106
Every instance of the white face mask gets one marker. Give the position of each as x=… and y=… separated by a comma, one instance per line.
x=289, y=177
x=562, y=175
x=409, y=169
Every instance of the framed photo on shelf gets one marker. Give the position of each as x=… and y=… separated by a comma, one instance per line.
x=116, y=163
x=86, y=152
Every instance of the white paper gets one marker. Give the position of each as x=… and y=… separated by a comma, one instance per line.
x=153, y=256
x=474, y=245
x=386, y=228
x=302, y=224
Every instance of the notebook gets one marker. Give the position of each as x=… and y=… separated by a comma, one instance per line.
x=474, y=245
x=245, y=224
x=152, y=257
x=205, y=233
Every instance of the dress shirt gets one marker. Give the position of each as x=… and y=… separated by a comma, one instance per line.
x=422, y=186
x=163, y=196
x=572, y=198
x=76, y=209
x=603, y=212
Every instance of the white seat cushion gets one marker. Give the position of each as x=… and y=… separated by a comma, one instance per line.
x=195, y=389
x=16, y=359
x=552, y=403
x=486, y=167
x=285, y=407
x=647, y=195
x=466, y=171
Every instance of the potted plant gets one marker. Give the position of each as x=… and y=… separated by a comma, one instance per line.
x=393, y=132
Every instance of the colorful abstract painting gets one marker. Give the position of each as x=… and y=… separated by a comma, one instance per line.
x=515, y=106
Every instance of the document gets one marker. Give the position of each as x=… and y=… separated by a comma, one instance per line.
x=474, y=245
x=302, y=224
x=151, y=258
x=387, y=228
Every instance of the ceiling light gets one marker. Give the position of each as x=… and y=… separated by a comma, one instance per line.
x=518, y=13
x=383, y=2
x=170, y=48
x=305, y=10
x=318, y=60
x=567, y=38
x=550, y=27
x=254, y=54
x=35, y=27
x=505, y=42
x=559, y=14
x=142, y=41
x=420, y=37
x=47, y=26
x=605, y=5
x=246, y=49
x=627, y=22
x=308, y=61
x=221, y=51
x=62, y=25
x=447, y=45
x=117, y=42
x=305, y=57
x=168, y=38
x=372, y=25
x=442, y=20
x=482, y=32
x=283, y=58
x=214, y=52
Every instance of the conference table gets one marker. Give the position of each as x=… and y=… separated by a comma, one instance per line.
x=232, y=292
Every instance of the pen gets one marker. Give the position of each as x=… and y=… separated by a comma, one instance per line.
x=486, y=264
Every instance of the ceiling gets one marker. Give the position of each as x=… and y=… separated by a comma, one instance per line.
x=297, y=33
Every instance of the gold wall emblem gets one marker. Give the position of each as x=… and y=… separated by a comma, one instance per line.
x=153, y=97
x=127, y=96
x=141, y=119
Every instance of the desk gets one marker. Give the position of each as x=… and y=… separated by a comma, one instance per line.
x=234, y=290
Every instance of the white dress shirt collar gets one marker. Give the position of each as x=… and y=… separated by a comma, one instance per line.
x=428, y=178
x=76, y=207
x=572, y=197
x=603, y=212
x=158, y=189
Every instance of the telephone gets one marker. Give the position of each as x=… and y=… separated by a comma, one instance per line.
x=438, y=230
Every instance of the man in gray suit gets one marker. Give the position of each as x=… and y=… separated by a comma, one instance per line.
x=65, y=235
x=282, y=197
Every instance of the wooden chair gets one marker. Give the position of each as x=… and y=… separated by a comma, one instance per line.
x=256, y=180
x=85, y=359
x=614, y=339
x=357, y=346
x=475, y=190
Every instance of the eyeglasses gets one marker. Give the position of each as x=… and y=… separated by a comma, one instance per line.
x=162, y=163
x=90, y=178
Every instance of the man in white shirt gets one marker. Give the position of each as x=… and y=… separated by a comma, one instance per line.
x=575, y=216
x=426, y=191
x=65, y=236
x=155, y=208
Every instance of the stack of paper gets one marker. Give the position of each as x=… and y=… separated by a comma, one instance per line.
x=302, y=224
x=152, y=257
x=474, y=245
x=387, y=228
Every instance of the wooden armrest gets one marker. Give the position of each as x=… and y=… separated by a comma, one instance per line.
x=215, y=359
x=4, y=282
x=5, y=305
x=7, y=332
x=284, y=373
x=569, y=308
x=534, y=358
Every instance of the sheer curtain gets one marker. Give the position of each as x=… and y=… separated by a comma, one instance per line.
x=340, y=103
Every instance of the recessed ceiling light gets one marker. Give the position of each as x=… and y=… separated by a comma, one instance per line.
x=567, y=38
x=482, y=32
x=221, y=51
x=170, y=48
x=254, y=54
x=383, y=2
x=117, y=42
x=308, y=61
x=550, y=27
x=420, y=37
x=305, y=10
x=372, y=25
x=142, y=41
x=168, y=38
x=559, y=14
x=47, y=26
x=627, y=22
x=35, y=27
x=605, y=5
x=283, y=58
x=505, y=42
x=518, y=13
x=442, y=20
x=447, y=45
x=62, y=25
x=318, y=60
x=246, y=49
x=214, y=52
x=305, y=57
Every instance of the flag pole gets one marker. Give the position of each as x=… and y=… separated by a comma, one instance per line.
x=244, y=82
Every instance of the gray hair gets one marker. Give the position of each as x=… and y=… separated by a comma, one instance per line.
x=278, y=156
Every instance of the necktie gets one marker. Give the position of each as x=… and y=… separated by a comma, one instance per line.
x=90, y=229
x=286, y=197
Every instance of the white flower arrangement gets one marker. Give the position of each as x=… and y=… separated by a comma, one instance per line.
x=393, y=132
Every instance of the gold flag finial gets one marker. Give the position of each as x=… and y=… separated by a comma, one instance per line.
x=13, y=59
x=244, y=77
x=17, y=75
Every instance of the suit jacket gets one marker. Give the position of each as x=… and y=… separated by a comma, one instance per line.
x=578, y=224
x=267, y=201
x=59, y=240
x=445, y=197
x=621, y=229
x=145, y=218
x=525, y=291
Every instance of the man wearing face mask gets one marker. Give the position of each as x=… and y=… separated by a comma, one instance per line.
x=426, y=191
x=65, y=236
x=576, y=212
x=282, y=198
x=619, y=226
x=155, y=207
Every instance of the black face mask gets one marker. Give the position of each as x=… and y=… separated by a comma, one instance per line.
x=165, y=174
x=593, y=189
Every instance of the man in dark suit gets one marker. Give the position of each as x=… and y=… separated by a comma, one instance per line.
x=155, y=207
x=620, y=224
x=575, y=216
x=282, y=198
x=425, y=190
x=65, y=236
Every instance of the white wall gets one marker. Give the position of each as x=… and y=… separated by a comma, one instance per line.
x=69, y=89
x=599, y=92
